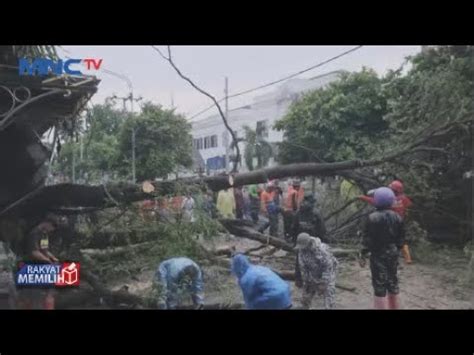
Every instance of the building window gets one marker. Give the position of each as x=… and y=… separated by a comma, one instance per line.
x=199, y=143
x=205, y=143
x=262, y=129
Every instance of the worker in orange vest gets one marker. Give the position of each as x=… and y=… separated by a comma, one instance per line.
x=292, y=204
x=270, y=208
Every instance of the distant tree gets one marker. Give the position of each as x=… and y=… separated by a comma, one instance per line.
x=342, y=121
x=163, y=143
x=256, y=147
x=364, y=116
x=100, y=145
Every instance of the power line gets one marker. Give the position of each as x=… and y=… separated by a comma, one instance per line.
x=276, y=81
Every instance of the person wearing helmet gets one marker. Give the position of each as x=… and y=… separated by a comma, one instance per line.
x=402, y=201
x=400, y=206
x=383, y=239
x=293, y=200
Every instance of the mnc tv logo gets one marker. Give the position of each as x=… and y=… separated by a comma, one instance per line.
x=60, y=275
x=45, y=66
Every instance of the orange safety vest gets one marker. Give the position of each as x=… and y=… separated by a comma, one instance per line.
x=266, y=197
x=289, y=198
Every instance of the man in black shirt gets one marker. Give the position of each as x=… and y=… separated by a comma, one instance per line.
x=35, y=249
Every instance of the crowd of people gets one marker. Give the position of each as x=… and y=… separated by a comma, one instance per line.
x=262, y=288
x=269, y=205
x=316, y=266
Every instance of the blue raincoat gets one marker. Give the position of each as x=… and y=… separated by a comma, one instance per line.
x=167, y=276
x=261, y=287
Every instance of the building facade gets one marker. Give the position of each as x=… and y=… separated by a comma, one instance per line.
x=212, y=140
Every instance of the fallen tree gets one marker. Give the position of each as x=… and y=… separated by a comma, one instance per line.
x=245, y=229
x=114, y=252
x=73, y=195
x=112, y=298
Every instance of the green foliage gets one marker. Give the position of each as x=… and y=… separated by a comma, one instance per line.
x=342, y=121
x=437, y=91
x=256, y=147
x=100, y=145
x=364, y=116
x=163, y=142
x=168, y=240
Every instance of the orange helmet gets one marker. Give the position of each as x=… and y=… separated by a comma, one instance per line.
x=396, y=186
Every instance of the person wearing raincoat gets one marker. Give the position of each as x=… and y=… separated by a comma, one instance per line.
x=177, y=279
x=261, y=287
x=226, y=203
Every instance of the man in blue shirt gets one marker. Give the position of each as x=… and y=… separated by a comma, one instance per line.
x=177, y=279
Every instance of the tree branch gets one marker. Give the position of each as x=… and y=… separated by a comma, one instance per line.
x=339, y=210
x=70, y=195
x=244, y=229
x=224, y=119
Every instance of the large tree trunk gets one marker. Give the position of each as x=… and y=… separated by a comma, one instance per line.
x=72, y=195
x=245, y=229
x=115, y=252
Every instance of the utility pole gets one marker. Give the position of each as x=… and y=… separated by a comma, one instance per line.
x=73, y=164
x=134, y=130
x=82, y=149
x=134, y=146
x=172, y=101
x=226, y=93
x=134, y=176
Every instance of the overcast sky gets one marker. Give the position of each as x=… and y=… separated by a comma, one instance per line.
x=245, y=66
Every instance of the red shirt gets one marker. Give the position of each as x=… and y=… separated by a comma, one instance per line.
x=402, y=202
x=148, y=205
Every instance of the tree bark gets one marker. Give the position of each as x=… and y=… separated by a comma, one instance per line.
x=245, y=229
x=114, y=252
x=111, y=297
x=73, y=195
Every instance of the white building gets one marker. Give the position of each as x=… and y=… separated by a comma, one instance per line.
x=211, y=139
